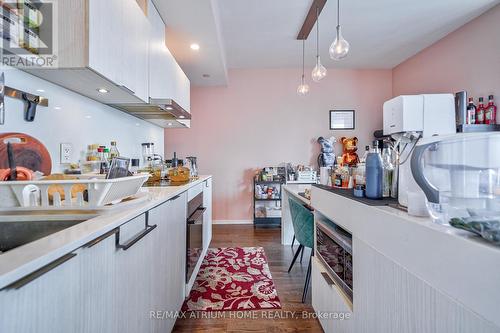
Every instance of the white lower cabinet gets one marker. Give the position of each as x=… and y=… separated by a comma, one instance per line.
x=45, y=301
x=120, y=282
x=169, y=262
x=333, y=312
x=133, y=275
x=389, y=299
x=207, y=217
x=96, y=268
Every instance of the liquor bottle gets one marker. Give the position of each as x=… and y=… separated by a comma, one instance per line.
x=480, y=111
x=374, y=173
x=471, y=112
x=491, y=112
x=113, y=152
x=388, y=170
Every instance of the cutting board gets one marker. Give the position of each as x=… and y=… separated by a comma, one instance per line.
x=28, y=152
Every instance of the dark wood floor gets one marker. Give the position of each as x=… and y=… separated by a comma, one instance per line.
x=289, y=286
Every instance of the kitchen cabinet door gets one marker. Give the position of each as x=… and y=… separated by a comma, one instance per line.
x=170, y=254
x=47, y=303
x=96, y=292
x=177, y=251
x=134, y=266
x=160, y=70
x=207, y=217
x=135, y=50
x=182, y=92
x=327, y=299
x=105, y=38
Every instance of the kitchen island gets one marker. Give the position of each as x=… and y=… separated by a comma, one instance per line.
x=409, y=274
x=107, y=274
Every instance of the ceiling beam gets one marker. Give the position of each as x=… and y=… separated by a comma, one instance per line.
x=311, y=19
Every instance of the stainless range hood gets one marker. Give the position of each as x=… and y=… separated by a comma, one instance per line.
x=162, y=112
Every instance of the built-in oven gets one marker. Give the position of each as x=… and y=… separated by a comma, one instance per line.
x=194, y=235
x=334, y=250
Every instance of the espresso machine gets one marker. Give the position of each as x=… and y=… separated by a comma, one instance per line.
x=408, y=119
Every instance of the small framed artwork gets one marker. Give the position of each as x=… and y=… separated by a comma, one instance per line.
x=342, y=119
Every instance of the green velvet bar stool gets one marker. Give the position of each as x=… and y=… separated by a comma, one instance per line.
x=303, y=227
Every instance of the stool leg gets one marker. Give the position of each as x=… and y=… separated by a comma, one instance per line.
x=293, y=240
x=295, y=257
x=302, y=254
x=308, y=279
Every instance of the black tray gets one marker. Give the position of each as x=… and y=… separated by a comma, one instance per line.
x=349, y=193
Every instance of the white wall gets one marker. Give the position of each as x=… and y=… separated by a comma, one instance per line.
x=79, y=121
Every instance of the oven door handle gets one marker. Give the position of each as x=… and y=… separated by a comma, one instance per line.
x=197, y=215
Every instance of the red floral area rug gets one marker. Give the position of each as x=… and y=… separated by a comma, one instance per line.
x=232, y=279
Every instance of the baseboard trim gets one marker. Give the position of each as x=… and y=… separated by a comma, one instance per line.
x=232, y=222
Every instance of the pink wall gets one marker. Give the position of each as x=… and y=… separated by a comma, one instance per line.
x=258, y=120
x=467, y=59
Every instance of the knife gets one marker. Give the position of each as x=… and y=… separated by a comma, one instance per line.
x=2, y=98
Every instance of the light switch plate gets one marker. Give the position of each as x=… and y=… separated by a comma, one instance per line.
x=66, y=152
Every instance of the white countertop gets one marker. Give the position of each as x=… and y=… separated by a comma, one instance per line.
x=26, y=259
x=455, y=262
x=295, y=189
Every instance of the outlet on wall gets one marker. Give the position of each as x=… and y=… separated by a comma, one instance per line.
x=66, y=152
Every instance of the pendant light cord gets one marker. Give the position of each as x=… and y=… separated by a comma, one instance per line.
x=303, y=58
x=317, y=33
x=338, y=13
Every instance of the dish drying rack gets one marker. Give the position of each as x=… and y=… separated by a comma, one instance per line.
x=34, y=195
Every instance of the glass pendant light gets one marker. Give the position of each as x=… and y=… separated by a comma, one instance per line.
x=319, y=71
x=340, y=47
x=303, y=88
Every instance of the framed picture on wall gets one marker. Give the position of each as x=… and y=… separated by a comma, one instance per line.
x=342, y=119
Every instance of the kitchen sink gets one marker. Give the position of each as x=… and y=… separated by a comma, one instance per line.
x=16, y=233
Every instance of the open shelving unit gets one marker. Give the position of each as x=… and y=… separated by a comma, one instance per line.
x=262, y=205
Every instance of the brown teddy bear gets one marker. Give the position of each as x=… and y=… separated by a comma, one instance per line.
x=349, y=155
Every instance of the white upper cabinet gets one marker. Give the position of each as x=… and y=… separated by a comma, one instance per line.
x=166, y=78
x=112, y=44
x=118, y=44
x=105, y=45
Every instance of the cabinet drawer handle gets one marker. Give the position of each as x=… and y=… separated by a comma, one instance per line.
x=128, y=90
x=327, y=278
x=175, y=198
x=39, y=272
x=100, y=239
x=137, y=238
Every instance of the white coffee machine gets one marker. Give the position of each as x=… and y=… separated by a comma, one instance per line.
x=408, y=118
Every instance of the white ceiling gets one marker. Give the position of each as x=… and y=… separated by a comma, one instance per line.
x=261, y=33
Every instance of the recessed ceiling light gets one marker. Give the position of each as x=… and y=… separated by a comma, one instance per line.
x=57, y=108
x=40, y=90
x=169, y=124
x=182, y=117
x=194, y=47
x=206, y=75
x=137, y=124
x=103, y=90
x=88, y=117
x=169, y=108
